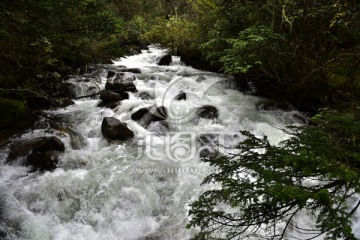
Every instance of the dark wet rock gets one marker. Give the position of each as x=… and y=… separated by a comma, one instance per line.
x=130, y=70
x=165, y=60
x=3, y=235
x=40, y=144
x=46, y=160
x=272, y=105
x=124, y=95
x=200, y=78
x=138, y=115
x=67, y=90
x=145, y=116
x=244, y=85
x=114, y=129
x=42, y=153
x=110, y=74
x=108, y=96
x=110, y=105
x=123, y=82
x=181, y=96
x=207, y=111
x=14, y=115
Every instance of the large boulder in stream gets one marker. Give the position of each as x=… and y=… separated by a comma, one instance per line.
x=165, y=60
x=113, y=129
x=144, y=116
x=122, y=82
x=108, y=96
x=67, y=90
x=42, y=152
x=43, y=160
x=207, y=111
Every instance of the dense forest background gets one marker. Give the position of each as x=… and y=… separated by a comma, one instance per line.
x=305, y=52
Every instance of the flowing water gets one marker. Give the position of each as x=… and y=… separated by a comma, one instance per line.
x=137, y=189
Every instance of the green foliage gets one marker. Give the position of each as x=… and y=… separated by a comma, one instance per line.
x=292, y=46
x=174, y=33
x=264, y=188
x=250, y=49
x=40, y=36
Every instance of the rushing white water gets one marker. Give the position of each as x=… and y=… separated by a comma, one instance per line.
x=139, y=189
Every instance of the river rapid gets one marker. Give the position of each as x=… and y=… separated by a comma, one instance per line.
x=138, y=189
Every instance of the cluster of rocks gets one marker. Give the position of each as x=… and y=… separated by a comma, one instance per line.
x=43, y=153
x=119, y=83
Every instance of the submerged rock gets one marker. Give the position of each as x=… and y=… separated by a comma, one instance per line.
x=207, y=111
x=139, y=114
x=112, y=128
x=165, y=60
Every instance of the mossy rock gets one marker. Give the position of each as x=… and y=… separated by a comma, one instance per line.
x=34, y=100
x=13, y=114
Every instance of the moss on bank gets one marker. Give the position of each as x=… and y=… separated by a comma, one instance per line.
x=13, y=114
